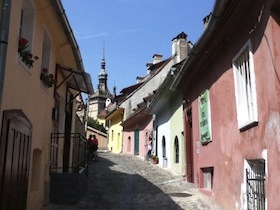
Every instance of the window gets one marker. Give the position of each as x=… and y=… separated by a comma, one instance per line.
x=255, y=184
x=207, y=178
x=27, y=21
x=176, y=146
x=46, y=77
x=26, y=34
x=245, y=88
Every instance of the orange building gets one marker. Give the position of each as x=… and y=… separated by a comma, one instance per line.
x=42, y=74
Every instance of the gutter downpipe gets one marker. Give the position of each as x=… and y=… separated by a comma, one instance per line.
x=4, y=33
x=218, y=12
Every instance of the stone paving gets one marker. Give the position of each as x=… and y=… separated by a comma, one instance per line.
x=125, y=182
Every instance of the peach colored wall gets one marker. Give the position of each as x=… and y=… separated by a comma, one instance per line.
x=23, y=89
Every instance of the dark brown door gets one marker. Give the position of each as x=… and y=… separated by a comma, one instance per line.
x=15, y=157
x=189, y=143
x=136, y=142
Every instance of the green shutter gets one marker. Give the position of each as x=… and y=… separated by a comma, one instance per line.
x=204, y=117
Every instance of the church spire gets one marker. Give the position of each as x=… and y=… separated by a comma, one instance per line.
x=102, y=86
x=103, y=63
x=102, y=73
x=100, y=97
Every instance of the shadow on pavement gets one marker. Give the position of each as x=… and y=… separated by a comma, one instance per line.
x=114, y=186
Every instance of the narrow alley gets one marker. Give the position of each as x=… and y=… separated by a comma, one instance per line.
x=125, y=182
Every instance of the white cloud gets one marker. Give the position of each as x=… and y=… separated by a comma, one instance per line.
x=82, y=37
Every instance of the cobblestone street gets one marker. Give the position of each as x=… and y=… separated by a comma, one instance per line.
x=124, y=182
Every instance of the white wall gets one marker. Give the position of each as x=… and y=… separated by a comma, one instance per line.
x=137, y=96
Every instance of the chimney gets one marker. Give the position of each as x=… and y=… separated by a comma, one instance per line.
x=148, y=65
x=180, y=47
x=206, y=20
x=157, y=58
x=139, y=79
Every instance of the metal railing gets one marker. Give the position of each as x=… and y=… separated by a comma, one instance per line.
x=68, y=153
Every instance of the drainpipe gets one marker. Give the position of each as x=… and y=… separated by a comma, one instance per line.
x=4, y=32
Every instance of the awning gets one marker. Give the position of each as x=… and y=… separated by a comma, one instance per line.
x=77, y=80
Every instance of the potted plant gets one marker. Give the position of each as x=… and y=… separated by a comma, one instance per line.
x=46, y=78
x=154, y=158
x=25, y=54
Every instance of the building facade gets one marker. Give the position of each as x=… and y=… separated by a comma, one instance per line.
x=37, y=54
x=230, y=84
x=167, y=111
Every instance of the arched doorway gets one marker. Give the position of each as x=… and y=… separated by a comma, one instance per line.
x=176, y=150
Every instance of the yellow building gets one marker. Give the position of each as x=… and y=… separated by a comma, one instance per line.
x=115, y=131
x=41, y=76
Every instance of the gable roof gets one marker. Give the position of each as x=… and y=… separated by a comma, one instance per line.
x=156, y=69
x=140, y=115
x=164, y=90
x=116, y=100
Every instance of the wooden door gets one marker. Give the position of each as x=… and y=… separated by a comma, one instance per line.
x=189, y=143
x=15, y=158
x=136, y=142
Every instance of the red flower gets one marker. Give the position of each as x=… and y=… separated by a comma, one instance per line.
x=47, y=79
x=23, y=41
x=30, y=55
x=25, y=53
x=45, y=70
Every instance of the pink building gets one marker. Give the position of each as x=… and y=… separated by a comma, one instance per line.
x=230, y=85
x=138, y=131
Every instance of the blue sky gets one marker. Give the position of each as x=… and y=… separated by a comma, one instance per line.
x=133, y=31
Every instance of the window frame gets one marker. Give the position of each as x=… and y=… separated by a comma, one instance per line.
x=245, y=92
x=27, y=22
x=207, y=178
x=26, y=28
x=46, y=57
x=255, y=175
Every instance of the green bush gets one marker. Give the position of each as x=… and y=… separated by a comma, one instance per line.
x=94, y=124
